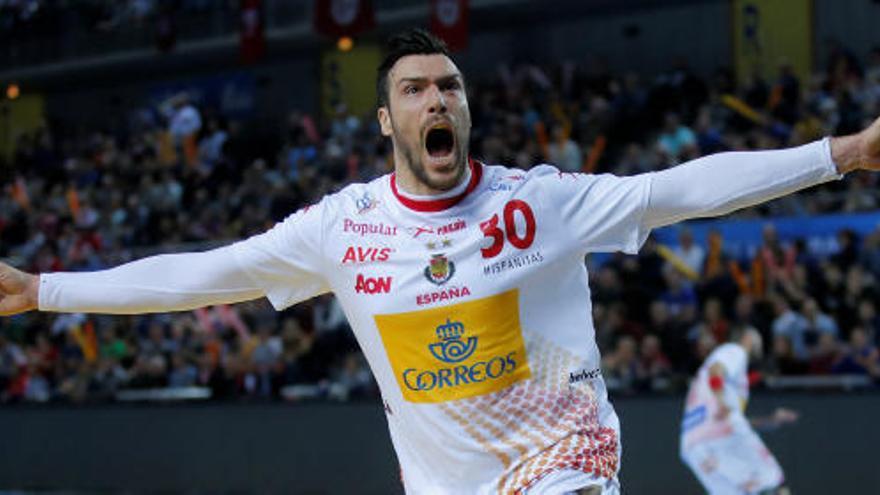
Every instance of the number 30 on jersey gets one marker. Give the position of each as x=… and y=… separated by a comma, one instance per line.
x=509, y=232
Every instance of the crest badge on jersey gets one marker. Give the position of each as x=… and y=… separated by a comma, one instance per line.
x=366, y=203
x=439, y=269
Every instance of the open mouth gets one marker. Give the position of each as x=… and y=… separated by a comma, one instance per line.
x=439, y=141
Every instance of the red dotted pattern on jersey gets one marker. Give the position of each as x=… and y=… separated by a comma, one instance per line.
x=542, y=425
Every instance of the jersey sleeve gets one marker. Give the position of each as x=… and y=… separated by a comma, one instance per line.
x=734, y=360
x=286, y=262
x=602, y=212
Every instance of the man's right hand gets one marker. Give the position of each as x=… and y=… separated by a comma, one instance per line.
x=18, y=290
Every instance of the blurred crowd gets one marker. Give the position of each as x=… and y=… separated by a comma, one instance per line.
x=181, y=176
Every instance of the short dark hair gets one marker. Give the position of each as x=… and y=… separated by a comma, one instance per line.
x=413, y=41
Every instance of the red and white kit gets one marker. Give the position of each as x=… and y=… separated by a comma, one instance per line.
x=472, y=308
x=725, y=454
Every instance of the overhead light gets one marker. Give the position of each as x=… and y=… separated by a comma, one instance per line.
x=12, y=91
x=345, y=44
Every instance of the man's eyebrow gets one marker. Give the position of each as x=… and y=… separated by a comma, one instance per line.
x=422, y=79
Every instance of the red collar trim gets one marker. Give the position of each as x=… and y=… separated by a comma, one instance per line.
x=434, y=205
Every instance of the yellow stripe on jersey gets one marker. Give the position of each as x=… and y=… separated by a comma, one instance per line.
x=456, y=351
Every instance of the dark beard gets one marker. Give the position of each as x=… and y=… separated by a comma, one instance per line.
x=417, y=167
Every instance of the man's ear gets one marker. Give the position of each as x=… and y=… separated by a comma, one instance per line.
x=384, y=117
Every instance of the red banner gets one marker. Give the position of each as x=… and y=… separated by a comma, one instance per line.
x=338, y=18
x=253, y=41
x=449, y=22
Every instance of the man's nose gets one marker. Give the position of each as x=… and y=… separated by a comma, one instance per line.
x=437, y=101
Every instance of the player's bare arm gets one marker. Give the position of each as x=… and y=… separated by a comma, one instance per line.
x=858, y=151
x=780, y=417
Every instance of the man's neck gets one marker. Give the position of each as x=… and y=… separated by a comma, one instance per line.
x=409, y=186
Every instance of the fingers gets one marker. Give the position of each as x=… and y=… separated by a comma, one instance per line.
x=12, y=281
x=15, y=304
x=18, y=291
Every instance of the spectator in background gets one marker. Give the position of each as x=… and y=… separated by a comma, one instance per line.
x=778, y=259
x=818, y=324
x=184, y=124
x=869, y=256
x=11, y=360
x=183, y=373
x=785, y=362
x=562, y=151
x=677, y=141
x=622, y=365
x=679, y=295
x=869, y=319
x=714, y=321
x=688, y=251
x=353, y=378
x=211, y=145
x=860, y=356
x=298, y=152
x=654, y=366
x=184, y=119
x=265, y=358
x=792, y=326
x=825, y=355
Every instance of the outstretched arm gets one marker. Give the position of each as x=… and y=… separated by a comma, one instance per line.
x=719, y=184
x=170, y=282
x=285, y=264
x=780, y=417
x=716, y=384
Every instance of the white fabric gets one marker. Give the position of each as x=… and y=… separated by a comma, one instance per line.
x=700, y=420
x=738, y=464
x=726, y=455
x=719, y=184
x=168, y=282
x=475, y=320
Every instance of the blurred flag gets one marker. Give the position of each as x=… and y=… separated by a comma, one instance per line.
x=449, y=22
x=677, y=263
x=591, y=161
x=167, y=153
x=20, y=193
x=88, y=342
x=190, y=150
x=337, y=18
x=73, y=202
x=253, y=41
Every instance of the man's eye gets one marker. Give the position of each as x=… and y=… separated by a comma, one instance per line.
x=410, y=90
x=453, y=86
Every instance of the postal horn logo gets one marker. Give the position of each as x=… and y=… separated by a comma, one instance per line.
x=439, y=269
x=450, y=348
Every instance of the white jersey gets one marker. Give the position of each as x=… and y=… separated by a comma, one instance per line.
x=700, y=422
x=473, y=310
x=474, y=314
x=726, y=455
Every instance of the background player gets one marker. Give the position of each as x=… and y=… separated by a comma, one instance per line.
x=718, y=442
